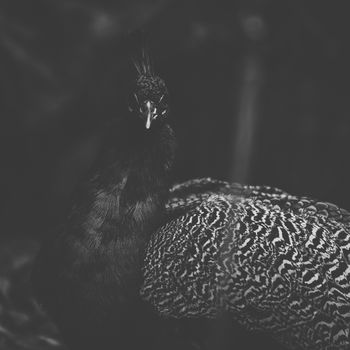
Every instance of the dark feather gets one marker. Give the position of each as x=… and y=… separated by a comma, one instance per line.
x=143, y=64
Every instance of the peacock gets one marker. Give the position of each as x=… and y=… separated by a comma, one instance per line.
x=142, y=263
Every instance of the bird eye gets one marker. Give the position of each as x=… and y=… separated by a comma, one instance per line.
x=163, y=104
x=163, y=101
x=133, y=102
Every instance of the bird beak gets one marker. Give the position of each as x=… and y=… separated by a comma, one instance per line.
x=150, y=114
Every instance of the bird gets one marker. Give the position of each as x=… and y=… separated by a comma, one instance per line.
x=139, y=257
x=87, y=275
x=274, y=263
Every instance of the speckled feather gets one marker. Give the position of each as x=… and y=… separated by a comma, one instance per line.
x=273, y=261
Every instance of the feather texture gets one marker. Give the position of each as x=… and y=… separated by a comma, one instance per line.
x=272, y=261
x=144, y=65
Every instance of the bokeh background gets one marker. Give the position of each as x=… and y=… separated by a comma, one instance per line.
x=259, y=94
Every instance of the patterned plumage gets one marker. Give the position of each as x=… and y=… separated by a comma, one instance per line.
x=271, y=261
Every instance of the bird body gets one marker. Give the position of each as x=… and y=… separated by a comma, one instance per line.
x=133, y=249
x=87, y=276
x=268, y=260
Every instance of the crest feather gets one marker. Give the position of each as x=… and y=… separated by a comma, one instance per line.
x=143, y=65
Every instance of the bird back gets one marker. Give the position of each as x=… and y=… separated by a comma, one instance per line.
x=274, y=262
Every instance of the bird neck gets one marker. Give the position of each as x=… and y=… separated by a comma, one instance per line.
x=130, y=185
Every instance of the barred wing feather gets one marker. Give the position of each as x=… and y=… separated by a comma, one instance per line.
x=274, y=262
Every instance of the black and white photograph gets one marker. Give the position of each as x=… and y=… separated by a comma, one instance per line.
x=174, y=175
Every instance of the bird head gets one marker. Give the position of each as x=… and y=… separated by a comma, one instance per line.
x=149, y=97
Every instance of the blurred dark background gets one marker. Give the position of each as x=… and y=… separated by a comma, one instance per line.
x=259, y=94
